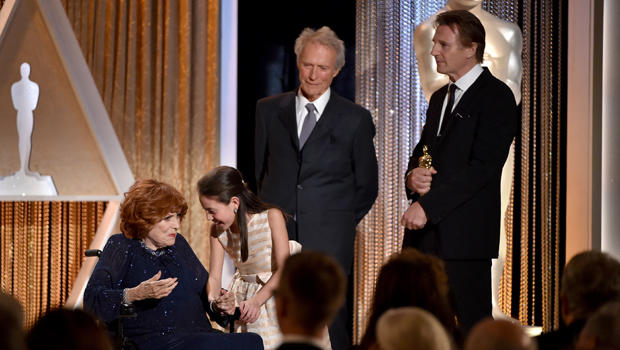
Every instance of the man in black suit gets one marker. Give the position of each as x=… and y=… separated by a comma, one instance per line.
x=311, y=290
x=589, y=280
x=470, y=123
x=315, y=157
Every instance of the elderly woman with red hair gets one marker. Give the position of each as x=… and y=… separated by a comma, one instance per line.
x=151, y=266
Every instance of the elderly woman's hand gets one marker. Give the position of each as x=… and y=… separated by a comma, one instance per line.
x=153, y=288
x=225, y=302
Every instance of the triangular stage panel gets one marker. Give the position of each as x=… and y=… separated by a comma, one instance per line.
x=73, y=139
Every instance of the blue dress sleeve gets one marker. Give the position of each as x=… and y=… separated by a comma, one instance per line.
x=195, y=268
x=104, y=292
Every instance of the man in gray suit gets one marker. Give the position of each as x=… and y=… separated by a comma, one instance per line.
x=315, y=157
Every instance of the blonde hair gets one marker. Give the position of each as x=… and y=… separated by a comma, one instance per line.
x=401, y=327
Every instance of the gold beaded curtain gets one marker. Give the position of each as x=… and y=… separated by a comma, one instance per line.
x=155, y=65
x=42, y=245
x=540, y=163
x=387, y=83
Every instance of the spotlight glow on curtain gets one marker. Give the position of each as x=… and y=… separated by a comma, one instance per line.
x=42, y=247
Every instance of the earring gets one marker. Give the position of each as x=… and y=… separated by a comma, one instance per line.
x=235, y=210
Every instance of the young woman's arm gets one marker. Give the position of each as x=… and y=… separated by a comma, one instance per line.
x=218, y=301
x=250, y=309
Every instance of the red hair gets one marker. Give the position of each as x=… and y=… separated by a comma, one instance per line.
x=146, y=203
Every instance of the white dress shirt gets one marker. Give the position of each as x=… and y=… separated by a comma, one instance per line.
x=301, y=111
x=461, y=86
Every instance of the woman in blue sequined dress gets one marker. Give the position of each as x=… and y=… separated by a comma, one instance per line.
x=153, y=267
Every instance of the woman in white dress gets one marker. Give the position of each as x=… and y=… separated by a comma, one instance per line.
x=253, y=234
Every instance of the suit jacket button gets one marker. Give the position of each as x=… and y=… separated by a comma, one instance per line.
x=300, y=187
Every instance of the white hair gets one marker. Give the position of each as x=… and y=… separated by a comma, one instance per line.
x=324, y=36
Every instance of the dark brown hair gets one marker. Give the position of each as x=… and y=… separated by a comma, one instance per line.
x=590, y=279
x=12, y=336
x=68, y=329
x=146, y=203
x=467, y=26
x=316, y=284
x=225, y=182
x=411, y=278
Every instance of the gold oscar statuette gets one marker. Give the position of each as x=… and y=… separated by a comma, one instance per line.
x=426, y=160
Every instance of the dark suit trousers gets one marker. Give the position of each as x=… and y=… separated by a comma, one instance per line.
x=470, y=287
x=341, y=328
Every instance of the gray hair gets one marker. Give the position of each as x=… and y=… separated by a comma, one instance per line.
x=324, y=36
x=590, y=280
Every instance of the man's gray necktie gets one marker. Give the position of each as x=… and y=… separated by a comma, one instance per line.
x=308, y=125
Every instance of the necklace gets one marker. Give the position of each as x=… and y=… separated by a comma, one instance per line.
x=157, y=253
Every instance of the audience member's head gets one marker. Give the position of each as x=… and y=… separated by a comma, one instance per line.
x=492, y=334
x=311, y=290
x=411, y=278
x=411, y=327
x=602, y=330
x=590, y=280
x=11, y=322
x=64, y=329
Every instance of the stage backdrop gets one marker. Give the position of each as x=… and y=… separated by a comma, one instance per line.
x=387, y=83
x=155, y=65
x=42, y=247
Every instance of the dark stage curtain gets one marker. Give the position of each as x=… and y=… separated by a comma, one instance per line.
x=538, y=245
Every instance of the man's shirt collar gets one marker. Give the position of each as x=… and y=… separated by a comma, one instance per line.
x=469, y=78
x=319, y=103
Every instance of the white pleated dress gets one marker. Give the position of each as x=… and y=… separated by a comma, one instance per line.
x=252, y=274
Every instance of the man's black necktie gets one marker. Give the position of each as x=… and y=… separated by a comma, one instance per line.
x=448, y=111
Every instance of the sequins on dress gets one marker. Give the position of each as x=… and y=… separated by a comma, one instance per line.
x=175, y=321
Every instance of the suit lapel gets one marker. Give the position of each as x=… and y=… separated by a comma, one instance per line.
x=433, y=116
x=463, y=108
x=288, y=117
x=325, y=123
x=435, y=113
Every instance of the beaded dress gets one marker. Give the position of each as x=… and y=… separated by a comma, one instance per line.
x=177, y=321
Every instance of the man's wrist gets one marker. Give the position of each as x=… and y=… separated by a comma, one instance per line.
x=423, y=210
